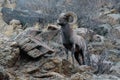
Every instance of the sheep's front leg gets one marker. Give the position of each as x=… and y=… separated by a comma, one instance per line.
x=73, y=52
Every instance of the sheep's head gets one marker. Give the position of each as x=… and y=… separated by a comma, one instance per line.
x=65, y=18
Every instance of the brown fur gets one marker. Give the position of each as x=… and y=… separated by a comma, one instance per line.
x=71, y=41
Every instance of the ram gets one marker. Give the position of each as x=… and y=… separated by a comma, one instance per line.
x=71, y=41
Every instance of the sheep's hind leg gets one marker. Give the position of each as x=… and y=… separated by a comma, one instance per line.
x=73, y=52
x=66, y=51
x=77, y=57
x=83, y=57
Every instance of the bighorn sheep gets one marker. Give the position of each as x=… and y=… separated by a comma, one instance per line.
x=71, y=41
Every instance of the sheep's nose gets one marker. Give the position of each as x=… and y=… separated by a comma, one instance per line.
x=58, y=24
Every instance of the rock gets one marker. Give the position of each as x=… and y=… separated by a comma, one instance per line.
x=85, y=33
x=30, y=41
x=53, y=75
x=96, y=47
x=3, y=38
x=3, y=74
x=84, y=12
x=115, y=70
x=110, y=11
x=103, y=29
x=98, y=38
x=1, y=2
x=43, y=46
x=115, y=32
x=0, y=11
x=100, y=43
x=99, y=60
x=28, y=18
x=51, y=35
x=113, y=19
x=84, y=68
x=52, y=65
x=12, y=30
x=31, y=70
x=15, y=22
x=94, y=62
x=77, y=76
x=8, y=55
x=9, y=31
x=114, y=55
x=67, y=68
x=105, y=77
x=14, y=44
x=63, y=66
x=83, y=76
x=36, y=48
x=104, y=67
x=9, y=3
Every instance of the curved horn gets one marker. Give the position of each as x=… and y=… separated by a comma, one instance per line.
x=73, y=15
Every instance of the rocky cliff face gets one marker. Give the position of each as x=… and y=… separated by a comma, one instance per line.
x=87, y=10
x=35, y=52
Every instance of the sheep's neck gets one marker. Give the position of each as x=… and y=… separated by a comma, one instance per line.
x=67, y=34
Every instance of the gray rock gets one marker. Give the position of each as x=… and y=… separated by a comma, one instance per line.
x=15, y=22
x=8, y=54
x=77, y=76
x=51, y=75
x=87, y=10
x=3, y=74
x=85, y=33
x=114, y=55
x=113, y=19
x=115, y=32
x=53, y=64
x=115, y=70
x=82, y=76
x=100, y=61
x=106, y=77
x=98, y=38
x=103, y=29
x=30, y=41
x=28, y=18
x=1, y=2
x=8, y=3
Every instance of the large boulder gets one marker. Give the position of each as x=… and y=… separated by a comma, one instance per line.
x=87, y=10
x=105, y=77
x=115, y=32
x=48, y=11
x=3, y=74
x=31, y=43
x=113, y=19
x=115, y=69
x=103, y=29
x=8, y=54
x=25, y=17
